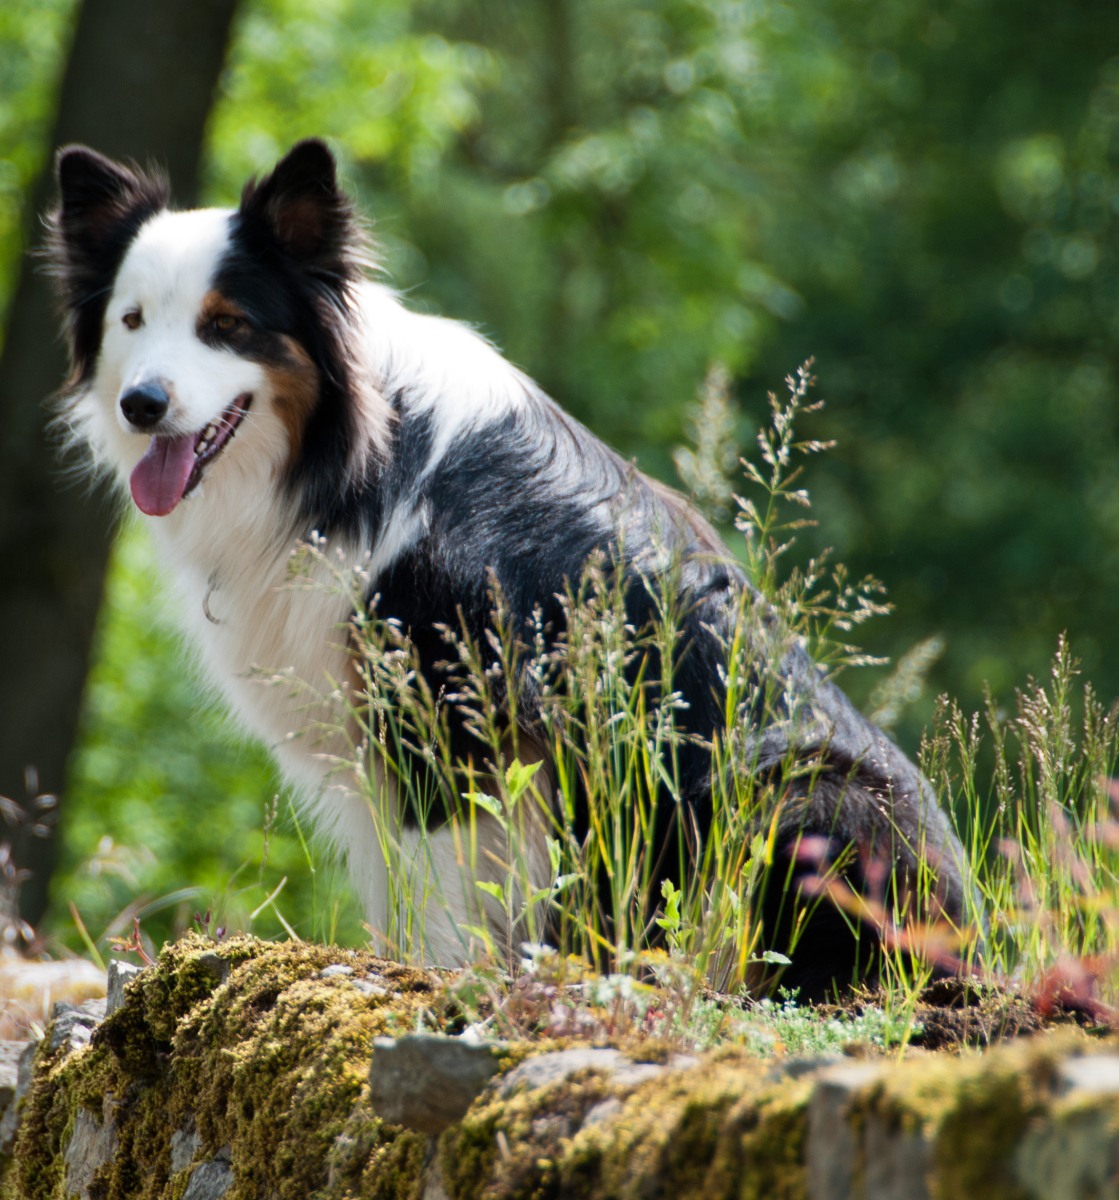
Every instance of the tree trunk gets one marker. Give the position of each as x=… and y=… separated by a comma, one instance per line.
x=139, y=84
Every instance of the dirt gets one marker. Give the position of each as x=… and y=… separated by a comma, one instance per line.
x=954, y=1014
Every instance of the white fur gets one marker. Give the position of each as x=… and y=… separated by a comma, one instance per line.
x=442, y=366
x=275, y=648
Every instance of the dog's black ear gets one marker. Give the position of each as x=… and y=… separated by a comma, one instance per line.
x=302, y=206
x=102, y=204
x=92, y=187
x=100, y=199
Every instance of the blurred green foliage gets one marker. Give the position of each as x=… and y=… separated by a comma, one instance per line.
x=33, y=37
x=924, y=199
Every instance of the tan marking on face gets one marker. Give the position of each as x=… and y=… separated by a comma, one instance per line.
x=215, y=304
x=295, y=389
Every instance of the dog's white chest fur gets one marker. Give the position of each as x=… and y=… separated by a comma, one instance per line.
x=274, y=642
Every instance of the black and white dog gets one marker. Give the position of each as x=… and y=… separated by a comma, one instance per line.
x=237, y=371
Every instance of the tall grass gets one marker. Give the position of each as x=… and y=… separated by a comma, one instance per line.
x=604, y=715
x=1038, y=788
x=558, y=859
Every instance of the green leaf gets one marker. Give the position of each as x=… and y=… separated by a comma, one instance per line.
x=491, y=889
x=775, y=958
x=487, y=804
x=518, y=778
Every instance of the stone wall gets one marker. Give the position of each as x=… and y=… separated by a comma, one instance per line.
x=247, y=1069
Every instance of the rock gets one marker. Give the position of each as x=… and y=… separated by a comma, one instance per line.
x=896, y=1162
x=1076, y=1155
x=334, y=970
x=863, y=1158
x=92, y=1144
x=120, y=973
x=1097, y=1073
x=215, y=965
x=433, y=1188
x=184, y=1146
x=70, y=1028
x=9, y=1123
x=833, y=1146
x=10, y=1054
x=604, y=1110
x=545, y=1070
x=209, y=1180
x=373, y=989
x=426, y=1081
x=798, y=1068
x=366, y=986
x=73, y=1027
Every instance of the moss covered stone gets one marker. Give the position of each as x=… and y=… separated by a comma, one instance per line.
x=246, y=1065
x=241, y=1051
x=724, y=1127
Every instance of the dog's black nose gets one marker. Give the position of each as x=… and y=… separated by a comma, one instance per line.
x=145, y=405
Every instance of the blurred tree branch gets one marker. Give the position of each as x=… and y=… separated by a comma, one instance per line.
x=139, y=83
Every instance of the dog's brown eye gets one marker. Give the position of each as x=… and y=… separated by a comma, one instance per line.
x=132, y=319
x=226, y=323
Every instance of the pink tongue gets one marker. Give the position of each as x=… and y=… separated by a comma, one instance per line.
x=160, y=477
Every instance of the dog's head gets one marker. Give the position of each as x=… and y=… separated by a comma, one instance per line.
x=187, y=328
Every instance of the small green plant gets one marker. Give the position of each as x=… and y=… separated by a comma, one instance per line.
x=556, y=997
x=783, y=1027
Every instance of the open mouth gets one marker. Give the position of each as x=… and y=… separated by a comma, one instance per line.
x=172, y=467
